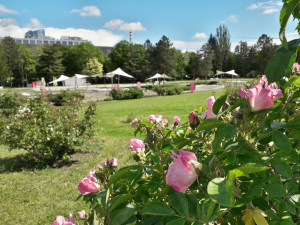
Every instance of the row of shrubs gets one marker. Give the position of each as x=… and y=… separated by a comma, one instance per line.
x=121, y=94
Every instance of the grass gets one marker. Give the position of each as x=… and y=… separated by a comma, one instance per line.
x=37, y=196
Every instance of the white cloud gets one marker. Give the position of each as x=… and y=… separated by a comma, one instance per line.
x=267, y=7
x=132, y=27
x=117, y=24
x=113, y=24
x=7, y=22
x=88, y=11
x=4, y=10
x=233, y=18
x=35, y=23
x=98, y=37
x=199, y=36
x=192, y=46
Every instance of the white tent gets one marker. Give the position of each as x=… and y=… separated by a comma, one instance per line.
x=80, y=76
x=119, y=73
x=232, y=73
x=61, y=78
x=155, y=77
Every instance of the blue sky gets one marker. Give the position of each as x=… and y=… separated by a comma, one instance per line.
x=187, y=24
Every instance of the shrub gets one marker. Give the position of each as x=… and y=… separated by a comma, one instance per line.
x=65, y=97
x=177, y=90
x=10, y=104
x=47, y=132
x=121, y=94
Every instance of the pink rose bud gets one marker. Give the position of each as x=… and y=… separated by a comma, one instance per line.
x=81, y=214
x=86, y=186
x=181, y=173
x=136, y=145
x=133, y=123
x=176, y=119
x=92, y=176
x=152, y=118
x=60, y=220
x=165, y=122
x=208, y=114
x=114, y=162
x=189, y=128
x=194, y=120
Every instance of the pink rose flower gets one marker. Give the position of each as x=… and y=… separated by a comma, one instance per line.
x=181, y=173
x=86, y=186
x=155, y=118
x=113, y=162
x=133, y=123
x=296, y=67
x=81, y=214
x=104, y=164
x=208, y=114
x=176, y=119
x=60, y=220
x=136, y=145
x=92, y=176
x=261, y=97
x=165, y=122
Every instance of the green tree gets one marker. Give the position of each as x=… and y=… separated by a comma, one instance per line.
x=117, y=56
x=206, y=58
x=223, y=48
x=50, y=62
x=241, y=52
x=3, y=68
x=93, y=67
x=181, y=64
x=162, y=57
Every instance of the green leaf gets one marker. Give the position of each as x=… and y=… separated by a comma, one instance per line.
x=286, y=220
x=248, y=169
x=219, y=192
x=120, y=216
x=179, y=202
x=168, y=147
x=292, y=125
x=117, y=176
x=281, y=141
x=281, y=64
x=118, y=200
x=209, y=123
x=285, y=13
x=180, y=221
x=157, y=208
x=282, y=167
x=276, y=190
x=226, y=131
x=219, y=103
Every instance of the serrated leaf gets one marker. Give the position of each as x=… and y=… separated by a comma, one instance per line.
x=282, y=167
x=292, y=125
x=116, y=201
x=276, y=190
x=219, y=192
x=248, y=169
x=157, y=208
x=209, y=123
x=118, y=175
x=180, y=221
x=120, y=216
x=219, y=103
x=179, y=202
x=281, y=141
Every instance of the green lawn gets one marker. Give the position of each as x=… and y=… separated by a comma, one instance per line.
x=36, y=196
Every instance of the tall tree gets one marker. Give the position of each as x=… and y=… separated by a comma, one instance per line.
x=117, y=56
x=223, y=47
x=181, y=63
x=163, y=58
x=50, y=62
x=241, y=52
x=3, y=68
x=206, y=58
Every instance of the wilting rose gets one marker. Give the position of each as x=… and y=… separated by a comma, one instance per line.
x=181, y=173
x=136, y=145
x=81, y=214
x=261, y=96
x=208, y=114
x=133, y=123
x=176, y=119
x=60, y=220
x=86, y=186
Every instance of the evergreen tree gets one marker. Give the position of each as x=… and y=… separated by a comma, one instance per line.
x=50, y=63
x=241, y=52
x=135, y=60
x=223, y=48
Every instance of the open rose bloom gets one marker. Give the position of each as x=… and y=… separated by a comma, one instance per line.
x=208, y=114
x=181, y=173
x=134, y=123
x=86, y=186
x=261, y=96
x=136, y=145
x=60, y=220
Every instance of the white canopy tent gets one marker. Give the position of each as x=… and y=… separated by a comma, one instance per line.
x=77, y=80
x=60, y=79
x=155, y=77
x=230, y=73
x=119, y=72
